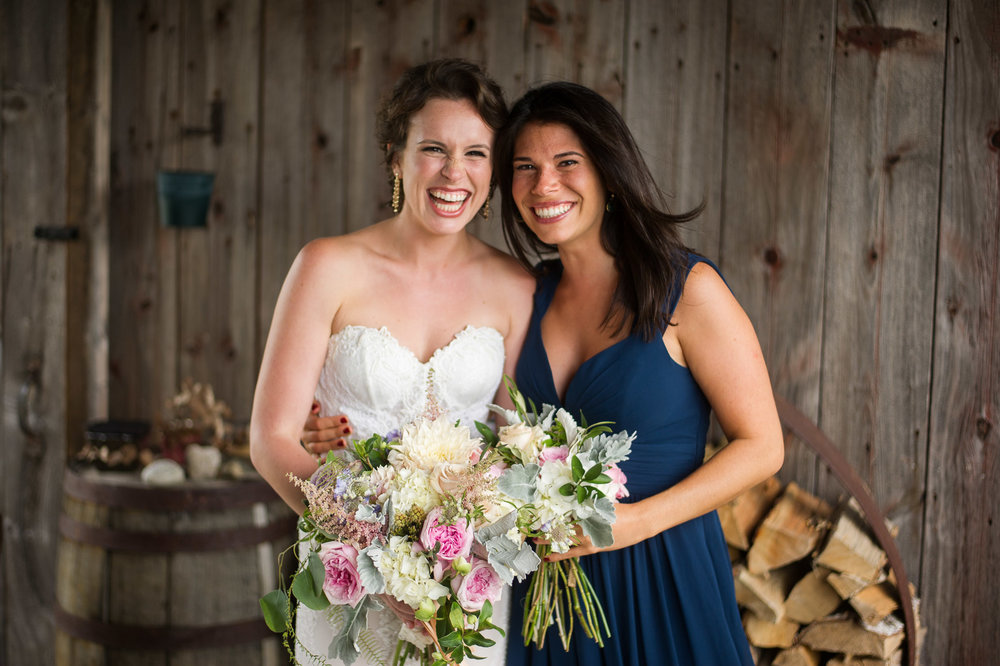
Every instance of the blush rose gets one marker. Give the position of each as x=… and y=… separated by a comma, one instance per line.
x=455, y=539
x=476, y=587
x=341, y=583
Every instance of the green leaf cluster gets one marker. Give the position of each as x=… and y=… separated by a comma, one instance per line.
x=374, y=451
x=583, y=480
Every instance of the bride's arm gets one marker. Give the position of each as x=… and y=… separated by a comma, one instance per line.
x=293, y=357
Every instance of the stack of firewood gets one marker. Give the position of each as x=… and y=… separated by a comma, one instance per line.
x=813, y=585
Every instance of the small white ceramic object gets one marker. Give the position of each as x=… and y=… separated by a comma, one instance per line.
x=162, y=472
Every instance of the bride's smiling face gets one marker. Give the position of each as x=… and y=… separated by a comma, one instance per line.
x=445, y=166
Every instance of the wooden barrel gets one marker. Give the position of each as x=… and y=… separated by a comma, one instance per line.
x=167, y=575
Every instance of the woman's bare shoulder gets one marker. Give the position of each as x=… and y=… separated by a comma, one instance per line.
x=337, y=254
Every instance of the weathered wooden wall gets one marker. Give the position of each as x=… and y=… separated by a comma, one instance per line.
x=848, y=154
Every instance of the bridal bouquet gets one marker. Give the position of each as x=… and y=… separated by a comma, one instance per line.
x=416, y=522
x=560, y=476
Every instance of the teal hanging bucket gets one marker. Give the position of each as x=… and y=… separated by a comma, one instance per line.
x=184, y=197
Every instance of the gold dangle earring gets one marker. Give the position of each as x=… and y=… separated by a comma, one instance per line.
x=610, y=205
x=485, y=210
x=395, y=193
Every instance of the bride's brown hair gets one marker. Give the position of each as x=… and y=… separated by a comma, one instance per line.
x=637, y=231
x=447, y=78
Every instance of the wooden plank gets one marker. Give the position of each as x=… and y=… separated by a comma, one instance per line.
x=88, y=171
x=491, y=34
x=674, y=102
x=220, y=54
x=577, y=40
x=32, y=318
x=385, y=39
x=885, y=171
x=774, y=217
x=962, y=543
x=304, y=173
x=5, y=425
x=142, y=322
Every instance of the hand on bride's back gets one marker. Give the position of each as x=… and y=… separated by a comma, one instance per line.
x=325, y=433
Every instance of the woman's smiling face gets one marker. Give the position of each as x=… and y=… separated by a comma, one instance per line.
x=445, y=166
x=556, y=186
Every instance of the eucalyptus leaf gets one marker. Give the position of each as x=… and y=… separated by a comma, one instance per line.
x=518, y=481
x=345, y=645
x=317, y=572
x=569, y=426
x=510, y=559
x=610, y=448
x=307, y=584
x=497, y=528
x=605, y=508
x=598, y=530
x=577, y=467
x=371, y=577
x=274, y=605
x=509, y=416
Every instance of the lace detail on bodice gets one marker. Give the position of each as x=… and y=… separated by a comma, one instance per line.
x=381, y=386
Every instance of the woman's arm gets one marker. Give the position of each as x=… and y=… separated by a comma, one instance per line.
x=293, y=357
x=714, y=338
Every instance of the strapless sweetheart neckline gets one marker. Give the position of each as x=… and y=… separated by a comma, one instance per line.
x=383, y=330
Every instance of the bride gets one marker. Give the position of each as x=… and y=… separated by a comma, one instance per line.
x=411, y=316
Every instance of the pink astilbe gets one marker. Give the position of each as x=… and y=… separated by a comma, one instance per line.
x=335, y=517
x=475, y=490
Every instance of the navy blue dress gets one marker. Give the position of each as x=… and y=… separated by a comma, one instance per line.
x=668, y=599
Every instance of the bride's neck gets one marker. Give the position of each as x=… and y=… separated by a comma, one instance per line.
x=414, y=245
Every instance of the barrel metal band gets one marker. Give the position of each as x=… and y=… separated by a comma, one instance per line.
x=140, y=637
x=159, y=542
x=186, y=497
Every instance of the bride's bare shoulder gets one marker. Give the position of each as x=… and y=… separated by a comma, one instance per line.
x=337, y=254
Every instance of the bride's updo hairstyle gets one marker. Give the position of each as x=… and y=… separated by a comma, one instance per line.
x=447, y=78
x=637, y=231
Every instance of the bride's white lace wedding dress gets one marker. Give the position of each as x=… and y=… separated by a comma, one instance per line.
x=381, y=385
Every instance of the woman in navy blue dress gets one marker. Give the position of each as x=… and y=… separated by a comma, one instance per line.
x=630, y=326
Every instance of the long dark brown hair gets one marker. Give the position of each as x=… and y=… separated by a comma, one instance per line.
x=638, y=231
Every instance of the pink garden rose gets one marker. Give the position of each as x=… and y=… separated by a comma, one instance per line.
x=342, y=585
x=553, y=453
x=481, y=584
x=455, y=539
x=618, y=479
